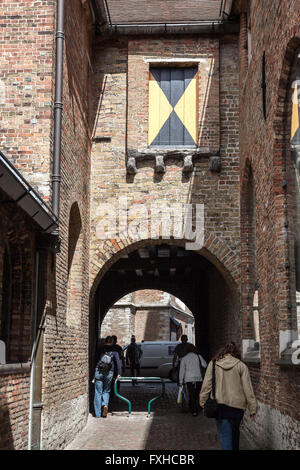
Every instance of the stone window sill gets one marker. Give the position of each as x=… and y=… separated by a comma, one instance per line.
x=252, y=358
x=159, y=154
x=286, y=358
x=287, y=362
x=20, y=368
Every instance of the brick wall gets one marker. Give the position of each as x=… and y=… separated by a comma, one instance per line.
x=17, y=238
x=152, y=325
x=14, y=405
x=65, y=368
x=26, y=74
x=119, y=321
x=219, y=192
x=275, y=26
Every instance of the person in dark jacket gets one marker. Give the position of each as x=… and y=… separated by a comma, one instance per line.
x=116, y=347
x=119, y=350
x=133, y=356
x=107, y=361
x=179, y=353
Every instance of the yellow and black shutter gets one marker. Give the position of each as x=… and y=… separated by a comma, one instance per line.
x=172, y=106
x=295, y=131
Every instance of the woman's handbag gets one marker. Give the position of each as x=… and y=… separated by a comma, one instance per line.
x=211, y=406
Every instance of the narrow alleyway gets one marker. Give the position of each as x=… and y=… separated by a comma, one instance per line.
x=170, y=427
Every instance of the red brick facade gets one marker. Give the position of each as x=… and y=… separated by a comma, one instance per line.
x=26, y=134
x=265, y=148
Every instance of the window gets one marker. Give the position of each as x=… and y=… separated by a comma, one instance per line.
x=75, y=269
x=249, y=40
x=172, y=106
x=250, y=285
x=295, y=154
x=6, y=302
x=295, y=129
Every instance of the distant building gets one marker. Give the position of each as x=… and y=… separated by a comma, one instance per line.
x=150, y=315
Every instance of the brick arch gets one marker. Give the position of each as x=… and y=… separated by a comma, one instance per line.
x=145, y=286
x=283, y=114
x=75, y=270
x=222, y=279
x=283, y=185
x=214, y=250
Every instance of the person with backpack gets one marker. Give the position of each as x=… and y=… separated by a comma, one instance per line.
x=233, y=393
x=108, y=361
x=191, y=373
x=133, y=356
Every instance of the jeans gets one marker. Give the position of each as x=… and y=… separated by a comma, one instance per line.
x=102, y=391
x=229, y=433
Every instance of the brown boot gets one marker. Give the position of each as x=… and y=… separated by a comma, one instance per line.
x=104, y=411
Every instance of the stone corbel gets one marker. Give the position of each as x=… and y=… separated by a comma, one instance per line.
x=188, y=165
x=131, y=166
x=160, y=166
x=215, y=164
x=159, y=155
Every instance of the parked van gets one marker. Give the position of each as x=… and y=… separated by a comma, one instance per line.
x=157, y=358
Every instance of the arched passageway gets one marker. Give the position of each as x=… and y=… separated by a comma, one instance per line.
x=149, y=315
x=186, y=274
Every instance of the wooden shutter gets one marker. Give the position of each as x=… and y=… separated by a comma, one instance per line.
x=172, y=106
x=295, y=130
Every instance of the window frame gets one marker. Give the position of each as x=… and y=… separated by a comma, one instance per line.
x=176, y=64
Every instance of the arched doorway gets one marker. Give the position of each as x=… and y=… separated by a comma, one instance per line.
x=206, y=288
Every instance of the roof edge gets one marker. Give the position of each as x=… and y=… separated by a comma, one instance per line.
x=25, y=196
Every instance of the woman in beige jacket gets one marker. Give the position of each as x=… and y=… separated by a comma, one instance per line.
x=234, y=394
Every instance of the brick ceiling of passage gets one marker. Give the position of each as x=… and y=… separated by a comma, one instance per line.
x=163, y=11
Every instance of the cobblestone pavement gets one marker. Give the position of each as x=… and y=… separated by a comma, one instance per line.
x=169, y=427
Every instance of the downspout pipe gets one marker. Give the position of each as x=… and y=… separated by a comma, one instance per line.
x=58, y=107
x=33, y=354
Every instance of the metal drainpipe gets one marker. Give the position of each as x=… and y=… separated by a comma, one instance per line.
x=32, y=369
x=58, y=106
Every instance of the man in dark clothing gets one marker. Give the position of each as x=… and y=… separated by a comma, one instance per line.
x=133, y=355
x=179, y=353
x=116, y=347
